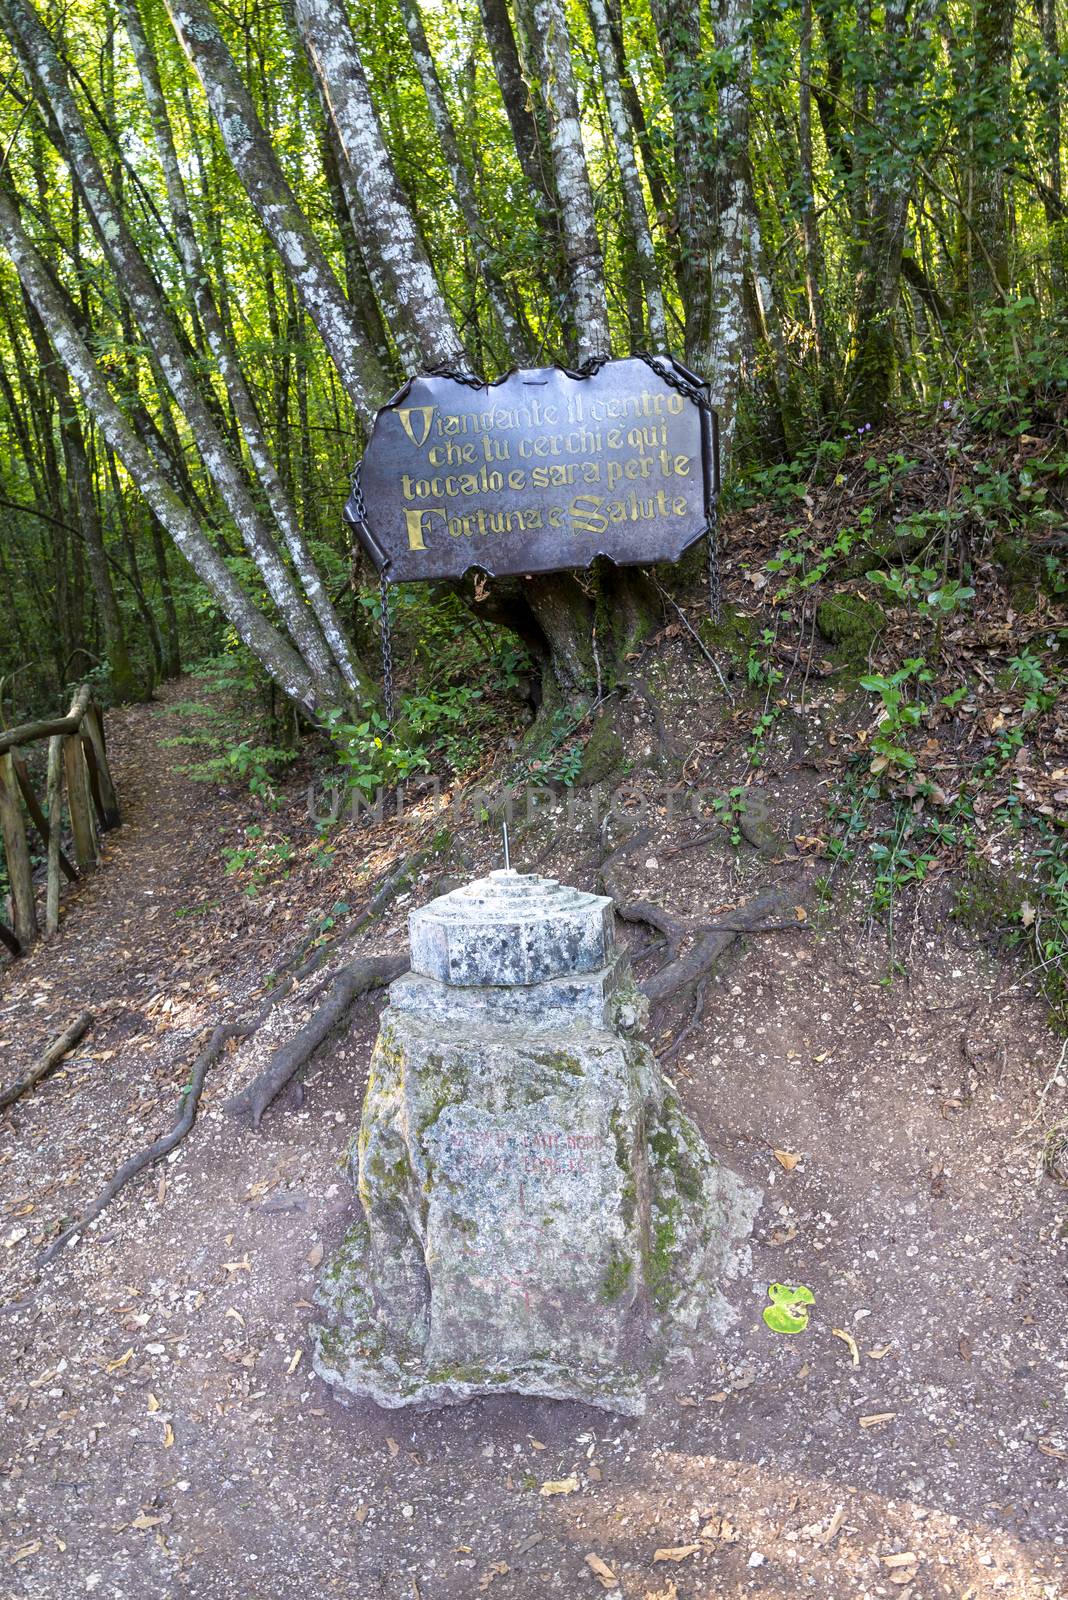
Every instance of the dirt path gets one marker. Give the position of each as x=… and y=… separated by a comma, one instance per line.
x=164, y=1436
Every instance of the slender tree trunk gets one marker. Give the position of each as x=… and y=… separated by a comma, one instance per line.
x=578, y=222
x=335, y=56
x=41, y=64
x=678, y=27
x=274, y=653
x=629, y=178
x=721, y=359
x=260, y=172
x=991, y=134
x=1053, y=194
x=123, y=678
x=466, y=198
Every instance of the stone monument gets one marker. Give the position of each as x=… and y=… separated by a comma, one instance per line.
x=537, y=1214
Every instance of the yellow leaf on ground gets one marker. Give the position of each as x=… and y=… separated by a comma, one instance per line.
x=559, y=1486
x=168, y=1436
x=602, y=1572
x=847, y=1338
x=877, y=1417
x=25, y=1550
x=676, y=1552
x=294, y=1363
x=877, y=1354
x=153, y=1403
x=143, y=1522
x=786, y=1159
x=393, y=1447
x=115, y=1366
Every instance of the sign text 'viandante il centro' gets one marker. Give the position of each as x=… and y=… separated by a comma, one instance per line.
x=536, y=473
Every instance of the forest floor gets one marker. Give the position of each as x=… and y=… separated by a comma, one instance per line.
x=888, y=1087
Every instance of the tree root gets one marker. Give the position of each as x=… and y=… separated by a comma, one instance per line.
x=348, y=984
x=190, y=1097
x=51, y=1059
x=682, y=975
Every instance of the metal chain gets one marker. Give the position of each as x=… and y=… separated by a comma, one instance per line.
x=356, y=516
x=386, y=628
x=698, y=393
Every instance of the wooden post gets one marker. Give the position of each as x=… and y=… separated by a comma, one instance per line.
x=37, y=816
x=56, y=858
x=17, y=850
x=78, y=803
x=94, y=727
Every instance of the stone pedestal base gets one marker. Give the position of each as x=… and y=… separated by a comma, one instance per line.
x=537, y=1214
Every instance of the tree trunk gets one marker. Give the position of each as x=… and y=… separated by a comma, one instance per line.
x=629, y=178
x=277, y=657
x=578, y=223
x=335, y=56
x=41, y=64
x=260, y=172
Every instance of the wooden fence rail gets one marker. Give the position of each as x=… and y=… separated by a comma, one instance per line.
x=78, y=763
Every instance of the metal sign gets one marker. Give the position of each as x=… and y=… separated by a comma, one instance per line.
x=543, y=470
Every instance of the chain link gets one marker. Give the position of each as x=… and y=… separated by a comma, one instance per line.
x=386, y=629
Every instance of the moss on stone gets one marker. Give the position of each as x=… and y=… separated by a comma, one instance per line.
x=560, y=1061
x=603, y=755
x=850, y=623
x=616, y=1278
x=733, y=635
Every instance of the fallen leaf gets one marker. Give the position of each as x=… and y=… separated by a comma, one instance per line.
x=361, y=1514
x=238, y=1318
x=25, y=1550
x=687, y=1400
x=536, y=1444
x=877, y=1417
x=595, y=1472
x=143, y=1522
x=559, y=1486
x=496, y=1570
x=315, y=1255
x=964, y=1345
x=602, y=1572
x=668, y=1592
x=161, y=1190
x=393, y=1447
x=1048, y=1450
x=115, y=1366
x=905, y=1558
x=244, y=1265
x=168, y=1436
x=153, y=1403
x=676, y=1552
x=294, y=1362
x=880, y=1351
x=847, y=1338
x=786, y=1159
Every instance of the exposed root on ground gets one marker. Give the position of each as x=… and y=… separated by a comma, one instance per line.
x=348, y=984
x=162, y=1146
x=50, y=1060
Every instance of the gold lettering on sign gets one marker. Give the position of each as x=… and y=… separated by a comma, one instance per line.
x=427, y=415
x=612, y=461
x=417, y=525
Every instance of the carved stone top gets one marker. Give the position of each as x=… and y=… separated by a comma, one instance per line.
x=511, y=928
